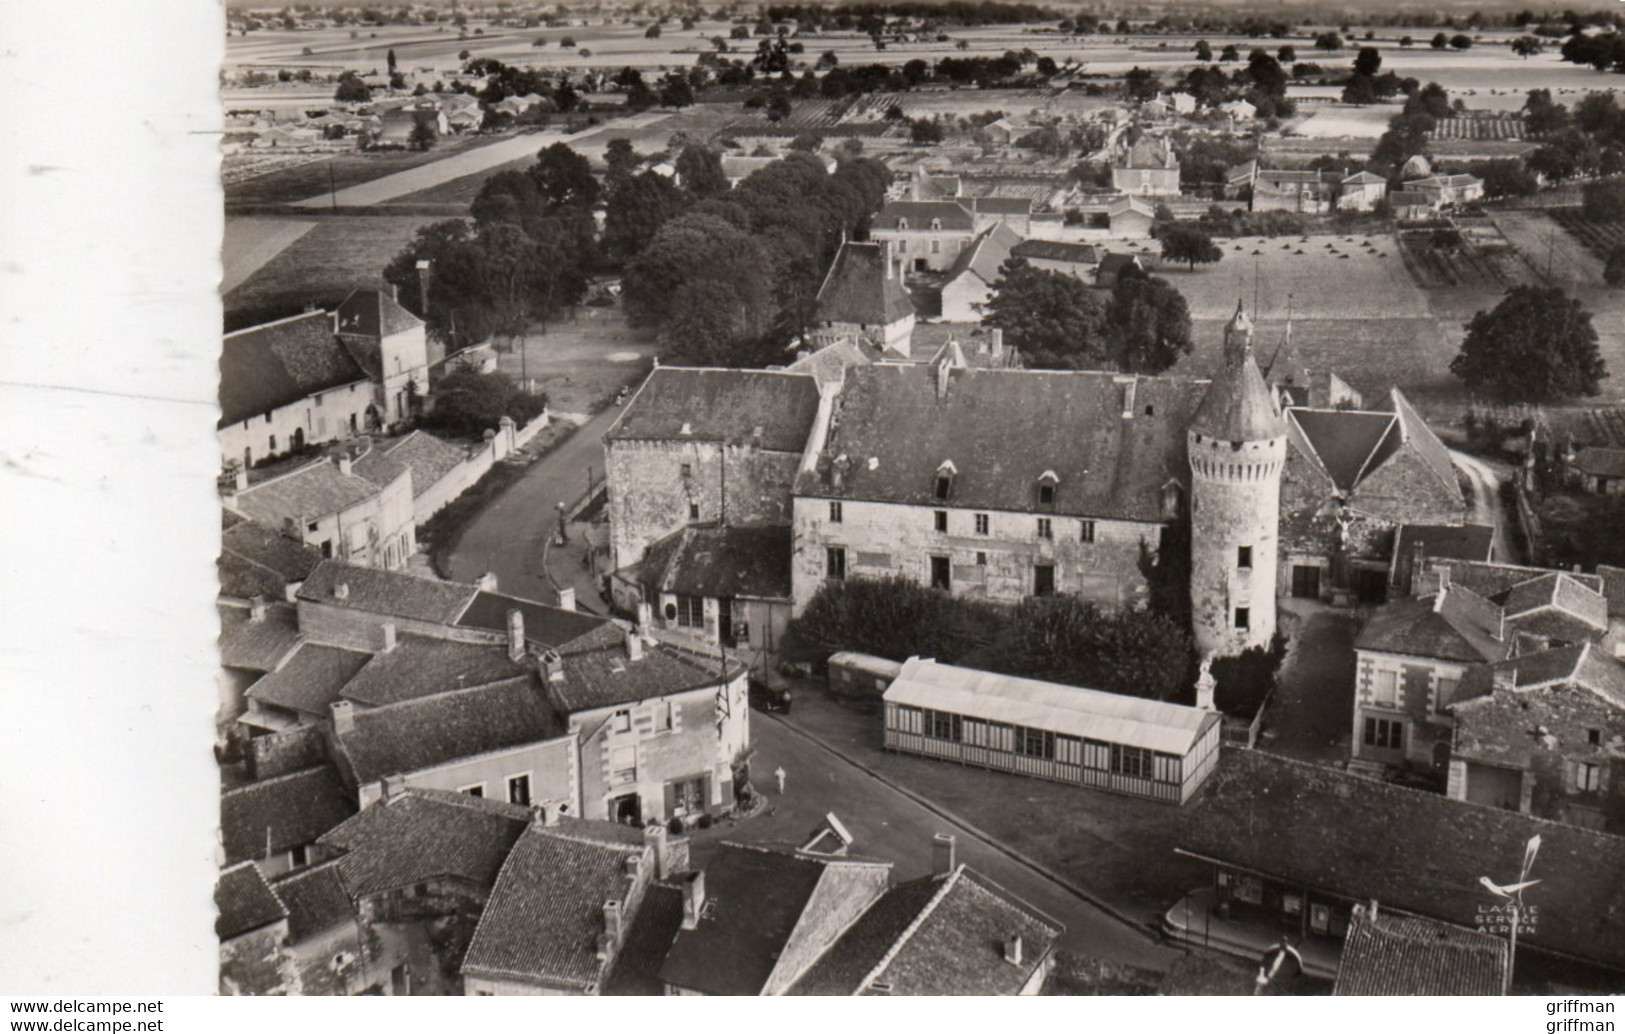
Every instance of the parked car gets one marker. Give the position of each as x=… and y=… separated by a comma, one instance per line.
x=770, y=691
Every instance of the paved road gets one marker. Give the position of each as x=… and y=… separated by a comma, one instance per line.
x=1487, y=507
x=889, y=826
x=507, y=536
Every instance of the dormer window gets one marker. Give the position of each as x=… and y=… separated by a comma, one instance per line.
x=1046, y=488
x=936, y=224
x=945, y=480
x=902, y=224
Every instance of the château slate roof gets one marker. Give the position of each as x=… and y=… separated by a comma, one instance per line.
x=859, y=288
x=950, y=215
x=244, y=902
x=1347, y=443
x=417, y=734
x=267, y=367
x=1388, y=954
x=281, y=813
x=1003, y=430
x=423, y=835
x=1238, y=406
x=1411, y=850
x=721, y=405
x=542, y=921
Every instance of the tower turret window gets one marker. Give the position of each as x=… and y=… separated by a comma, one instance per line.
x=1244, y=557
x=1243, y=619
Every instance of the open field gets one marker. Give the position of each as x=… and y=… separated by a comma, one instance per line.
x=1312, y=272
x=1346, y=120
x=341, y=171
x=252, y=243
x=337, y=255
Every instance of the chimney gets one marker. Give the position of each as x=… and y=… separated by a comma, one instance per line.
x=343, y=460
x=693, y=899
x=256, y=609
x=341, y=591
x=1418, y=561
x=612, y=921
x=645, y=619
x=634, y=647
x=654, y=837
x=516, y=635
x=389, y=637
x=605, y=948
x=567, y=599
x=1505, y=678
x=943, y=850
x=343, y=716
x=887, y=248
x=394, y=787
x=551, y=666
x=423, y=284
x=487, y=582
x=1012, y=949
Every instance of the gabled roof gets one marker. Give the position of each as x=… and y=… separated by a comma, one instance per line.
x=1363, y=178
x=1131, y=203
x=604, y=676
x=1495, y=580
x=1460, y=626
x=1389, y=954
x=721, y=405
x=984, y=256
x=1412, y=850
x=417, y=734
x=420, y=667
x=1585, y=665
x=919, y=215
x=637, y=967
x=281, y=813
x=859, y=288
x=545, y=624
x=315, y=490
x=272, y=365
x=1442, y=542
x=257, y=645
x=1595, y=461
x=1148, y=152
x=1268, y=177
x=1613, y=588
x=1002, y=430
x=1057, y=251
x=1346, y=442
x=256, y=560
x=542, y=921
x=423, y=835
x=1557, y=591
x=1419, y=437
x=309, y=680
x=990, y=205
x=315, y=898
x=395, y=593
x=721, y=563
x=939, y=935
x=367, y=316
x=755, y=901
x=1084, y=713
x=427, y=457
x=244, y=902
x=1115, y=262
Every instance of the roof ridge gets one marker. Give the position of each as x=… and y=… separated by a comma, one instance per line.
x=285, y=776
x=948, y=882
x=1020, y=904
x=371, y=710
x=276, y=322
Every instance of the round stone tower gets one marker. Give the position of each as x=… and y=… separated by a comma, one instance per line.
x=1237, y=446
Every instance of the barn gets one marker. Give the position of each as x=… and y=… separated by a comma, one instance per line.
x=1144, y=748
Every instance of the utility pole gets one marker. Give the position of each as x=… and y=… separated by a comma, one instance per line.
x=332, y=186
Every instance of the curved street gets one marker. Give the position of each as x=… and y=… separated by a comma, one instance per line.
x=1487, y=508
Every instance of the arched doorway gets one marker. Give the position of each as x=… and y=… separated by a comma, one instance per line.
x=298, y=441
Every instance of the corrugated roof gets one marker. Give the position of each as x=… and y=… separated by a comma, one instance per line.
x=281, y=813
x=1084, y=713
x=266, y=367
x=1412, y=850
x=546, y=911
x=1003, y=430
x=1389, y=954
x=417, y=734
x=860, y=289
x=727, y=405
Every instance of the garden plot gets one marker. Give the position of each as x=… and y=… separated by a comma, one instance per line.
x=1366, y=122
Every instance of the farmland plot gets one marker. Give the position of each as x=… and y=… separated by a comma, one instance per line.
x=1356, y=276
x=337, y=255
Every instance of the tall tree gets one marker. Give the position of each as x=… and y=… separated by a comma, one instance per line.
x=1189, y=244
x=620, y=162
x=638, y=207
x=564, y=177
x=1368, y=61
x=700, y=170
x=1056, y=322
x=1536, y=345
x=1149, y=324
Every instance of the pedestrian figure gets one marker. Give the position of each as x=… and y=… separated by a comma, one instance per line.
x=778, y=775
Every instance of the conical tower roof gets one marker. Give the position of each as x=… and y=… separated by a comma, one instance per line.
x=1238, y=406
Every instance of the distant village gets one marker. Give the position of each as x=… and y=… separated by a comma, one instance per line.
x=1390, y=723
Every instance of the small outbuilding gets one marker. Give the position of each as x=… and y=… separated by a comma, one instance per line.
x=1145, y=748
x=861, y=674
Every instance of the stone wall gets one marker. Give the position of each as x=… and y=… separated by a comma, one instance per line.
x=892, y=539
x=258, y=963
x=282, y=752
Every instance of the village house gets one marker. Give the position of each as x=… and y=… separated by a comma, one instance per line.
x=863, y=300
x=285, y=385
x=275, y=822
x=1240, y=178
x=1073, y=258
x=1544, y=734
x=1130, y=218
x=1014, y=212
x=251, y=924
x=562, y=907
x=1442, y=190
x=972, y=277
x=1147, y=166
x=954, y=932
x=390, y=344
x=256, y=637
x=924, y=235
x=355, y=506
x=1360, y=192
x=326, y=945
x=1388, y=954
x=1416, y=852
x=1293, y=190
x=1239, y=110
x=658, y=731
x=756, y=919
x=708, y=586
x=1417, y=545
x=1128, y=745
x=1598, y=470
x=397, y=125
x=1412, y=204
x=1113, y=264
x=697, y=446
x=259, y=561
